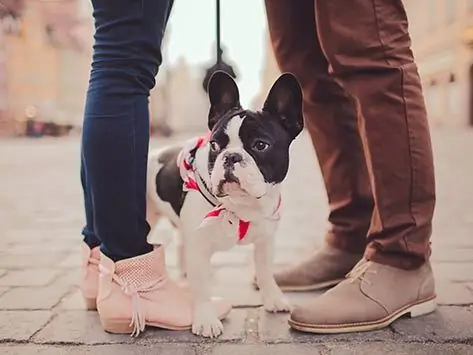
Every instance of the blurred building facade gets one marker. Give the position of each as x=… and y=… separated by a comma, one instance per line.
x=44, y=71
x=178, y=102
x=442, y=41
x=46, y=59
x=442, y=38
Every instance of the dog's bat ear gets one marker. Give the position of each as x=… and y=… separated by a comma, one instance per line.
x=285, y=101
x=223, y=96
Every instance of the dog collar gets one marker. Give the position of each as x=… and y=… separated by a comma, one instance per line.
x=190, y=177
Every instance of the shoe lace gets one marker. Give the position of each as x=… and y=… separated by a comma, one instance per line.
x=138, y=316
x=359, y=272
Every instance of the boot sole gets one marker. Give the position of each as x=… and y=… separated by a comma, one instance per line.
x=120, y=326
x=417, y=309
x=307, y=288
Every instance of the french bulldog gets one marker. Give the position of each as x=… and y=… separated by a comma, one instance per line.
x=224, y=189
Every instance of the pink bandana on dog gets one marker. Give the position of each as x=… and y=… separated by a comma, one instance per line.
x=219, y=216
x=185, y=162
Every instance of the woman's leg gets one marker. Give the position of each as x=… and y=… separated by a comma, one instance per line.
x=369, y=51
x=133, y=290
x=116, y=125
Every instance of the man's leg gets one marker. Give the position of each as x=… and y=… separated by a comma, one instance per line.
x=368, y=49
x=370, y=54
x=330, y=115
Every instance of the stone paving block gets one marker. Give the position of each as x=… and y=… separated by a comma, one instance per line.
x=38, y=260
x=60, y=247
x=398, y=349
x=68, y=277
x=340, y=349
x=262, y=349
x=234, y=330
x=33, y=277
x=451, y=255
x=274, y=328
x=447, y=324
x=43, y=237
x=78, y=327
x=453, y=293
x=30, y=298
x=115, y=349
x=235, y=284
x=74, y=260
x=27, y=349
x=25, y=235
x=239, y=295
x=21, y=325
x=3, y=290
x=2, y=272
x=73, y=302
x=454, y=272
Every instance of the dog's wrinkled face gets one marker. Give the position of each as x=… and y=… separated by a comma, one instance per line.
x=249, y=151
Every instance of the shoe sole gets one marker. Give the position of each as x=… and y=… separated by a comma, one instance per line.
x=417, y=309
x=123, y=326
x=307, y=288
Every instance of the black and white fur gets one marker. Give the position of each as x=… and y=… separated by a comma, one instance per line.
x=243, y=167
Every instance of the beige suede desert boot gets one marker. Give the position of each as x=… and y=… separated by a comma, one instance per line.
x=325, y=268
x=372, y=297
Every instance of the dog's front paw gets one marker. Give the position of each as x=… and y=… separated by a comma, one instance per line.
x=276, y=302
x=206, y=323
x=210, y=328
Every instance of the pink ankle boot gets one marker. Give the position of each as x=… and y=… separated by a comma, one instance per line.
x=137, y=292
x=90, y=276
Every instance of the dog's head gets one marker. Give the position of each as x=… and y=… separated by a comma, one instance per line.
x=249, y=151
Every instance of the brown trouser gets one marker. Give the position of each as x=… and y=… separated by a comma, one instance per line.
x=365, y=112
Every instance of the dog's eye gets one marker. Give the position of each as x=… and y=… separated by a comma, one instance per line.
x=214, y=147
x=260, y=146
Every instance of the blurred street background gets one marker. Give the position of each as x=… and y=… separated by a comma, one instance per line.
x=45, y=50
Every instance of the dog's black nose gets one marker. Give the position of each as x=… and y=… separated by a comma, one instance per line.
x=233, y=158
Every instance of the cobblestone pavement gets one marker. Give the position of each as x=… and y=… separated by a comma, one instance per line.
x=41, y=310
